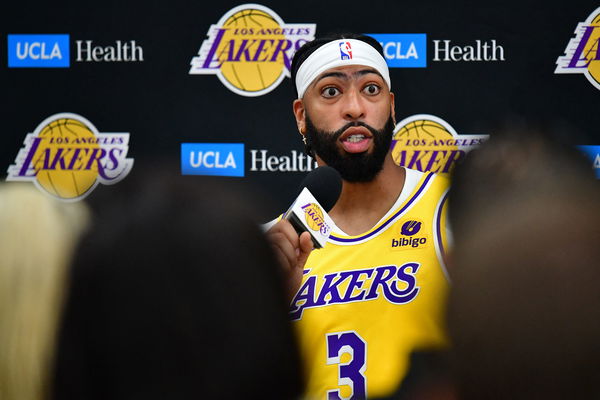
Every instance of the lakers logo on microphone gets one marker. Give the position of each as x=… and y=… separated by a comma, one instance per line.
x=250, y=49
x=314, y=218
x=67, y=157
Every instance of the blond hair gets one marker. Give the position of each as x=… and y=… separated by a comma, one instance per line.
x=37, y=237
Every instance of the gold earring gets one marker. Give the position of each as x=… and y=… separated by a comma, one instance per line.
x=304, y=139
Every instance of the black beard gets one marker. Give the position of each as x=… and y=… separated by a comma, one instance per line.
x=353, y=167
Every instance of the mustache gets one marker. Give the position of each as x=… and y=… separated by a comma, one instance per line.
x=336, y=135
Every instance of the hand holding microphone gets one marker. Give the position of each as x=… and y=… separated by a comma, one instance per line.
x=306, y=224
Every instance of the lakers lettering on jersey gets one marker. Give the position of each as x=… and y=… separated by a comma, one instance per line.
x=367, y=301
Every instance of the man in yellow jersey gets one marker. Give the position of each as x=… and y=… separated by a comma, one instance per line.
x=376, y=291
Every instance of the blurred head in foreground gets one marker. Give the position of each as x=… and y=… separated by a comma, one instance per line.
x=175, y=295
x=524, y=312
x=37, y=237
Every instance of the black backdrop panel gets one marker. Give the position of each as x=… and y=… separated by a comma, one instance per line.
x=161, y=105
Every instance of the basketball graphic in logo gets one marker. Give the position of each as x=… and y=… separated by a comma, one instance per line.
x=582, y=54
x=56, y=177
x=67, y=157
x=428, y=143
x=250, y=49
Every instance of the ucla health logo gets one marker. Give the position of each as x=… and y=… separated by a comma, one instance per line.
x=427, y=143
x=582, y=55
x=226, y=159
x=403, y=50
x=67, y=157
x=409, y=236
x=38, y=51
x=250, y=49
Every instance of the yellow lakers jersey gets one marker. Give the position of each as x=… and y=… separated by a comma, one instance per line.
x=367, y=301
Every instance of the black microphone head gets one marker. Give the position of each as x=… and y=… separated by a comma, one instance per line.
x=325, y=183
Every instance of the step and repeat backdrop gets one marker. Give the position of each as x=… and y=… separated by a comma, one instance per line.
x=94, y=92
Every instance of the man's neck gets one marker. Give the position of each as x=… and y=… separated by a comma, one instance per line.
x=362, y=204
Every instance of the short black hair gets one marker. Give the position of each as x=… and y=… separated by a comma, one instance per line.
x=310, y=47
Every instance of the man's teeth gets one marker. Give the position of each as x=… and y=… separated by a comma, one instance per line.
x=355, y=138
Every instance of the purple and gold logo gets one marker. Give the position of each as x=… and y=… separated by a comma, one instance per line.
x=250, y=49
x=582, y=55
x=67, y=157
x=315, y=219
x=428, y=143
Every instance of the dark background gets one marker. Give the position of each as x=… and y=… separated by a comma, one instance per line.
x=161, y=105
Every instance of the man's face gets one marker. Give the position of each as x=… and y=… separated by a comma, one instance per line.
x=347, y=114
x=360, y=166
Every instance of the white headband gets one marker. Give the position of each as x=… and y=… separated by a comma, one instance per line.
x=338, y=53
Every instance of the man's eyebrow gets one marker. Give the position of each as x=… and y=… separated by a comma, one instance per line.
x=368, y=71
x=342, y=75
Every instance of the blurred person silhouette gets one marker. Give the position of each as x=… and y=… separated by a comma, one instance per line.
x=524, y=310
x=175, y=295
x=428, y=378
x=37, y=237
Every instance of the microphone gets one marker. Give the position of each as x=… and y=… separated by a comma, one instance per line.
x=319, y=191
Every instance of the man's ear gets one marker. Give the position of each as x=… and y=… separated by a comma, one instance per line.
x=393, y=108
x=300, y=114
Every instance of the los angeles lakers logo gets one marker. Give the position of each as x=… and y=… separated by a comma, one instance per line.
x=428, y=143
x=67, y=157
x=582, y=55
x=250, y=49
x=314, y=218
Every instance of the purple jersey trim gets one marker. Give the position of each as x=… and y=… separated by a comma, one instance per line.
x=438, y=224
x=334, y=238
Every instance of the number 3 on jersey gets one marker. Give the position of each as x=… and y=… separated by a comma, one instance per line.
x=350, y=373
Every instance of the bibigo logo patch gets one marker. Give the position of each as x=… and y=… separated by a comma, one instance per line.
x=428, y=143
x=582, y=55
x=411, y=236
x=67, y=157
x=250, y=49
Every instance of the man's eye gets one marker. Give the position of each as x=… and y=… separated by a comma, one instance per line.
x=330, y=92
x=372, y=89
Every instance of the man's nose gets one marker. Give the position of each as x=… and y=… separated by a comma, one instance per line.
x=353, y=109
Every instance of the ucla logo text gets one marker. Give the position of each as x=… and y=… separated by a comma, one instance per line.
x=403, y=50
x=67, y=157
x=250, y=49
x=226, y=159
x=38, y=51
x=398, y=285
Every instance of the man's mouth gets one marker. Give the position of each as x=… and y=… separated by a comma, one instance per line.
x=356, y=139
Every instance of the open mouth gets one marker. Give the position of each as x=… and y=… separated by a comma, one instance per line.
x=356, y=139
